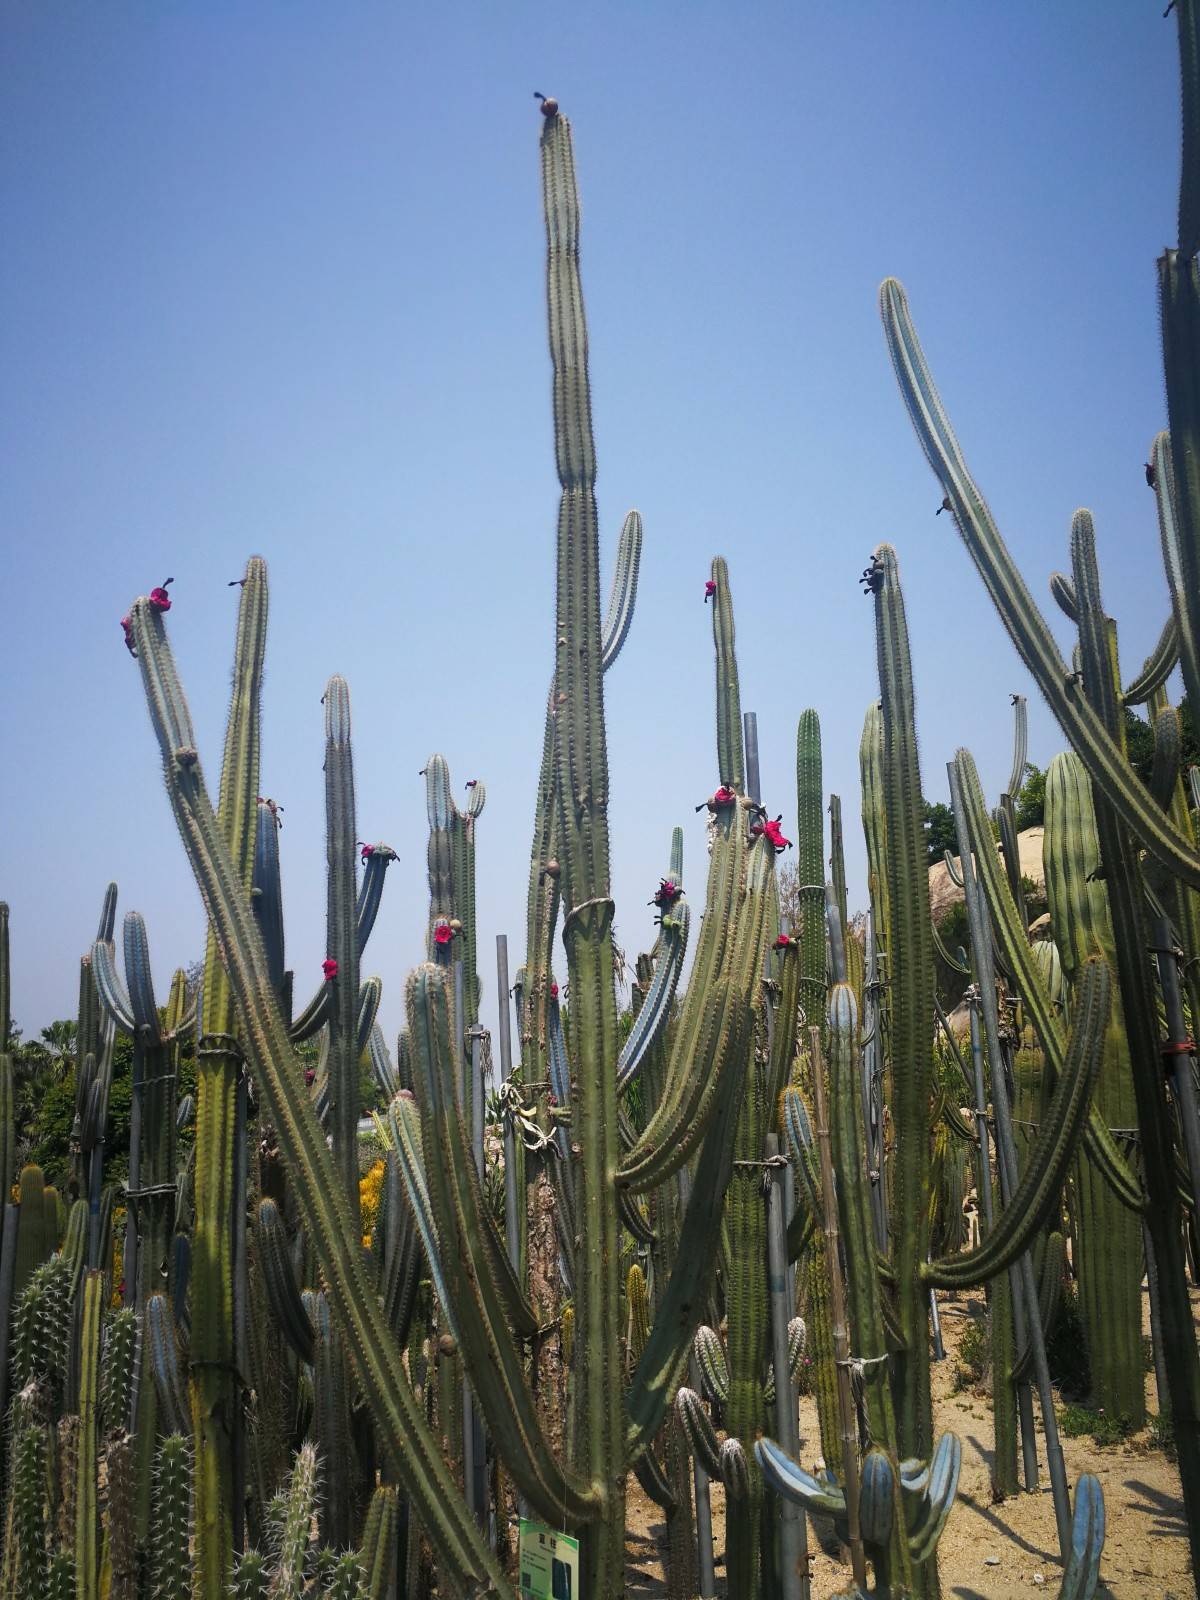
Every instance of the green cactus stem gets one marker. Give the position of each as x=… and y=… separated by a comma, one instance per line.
x=378, y=1551
x=1179, y=303
x=216, y=1407
x=29, y=1506
x=1046, y=1167
x=1108, y=1236
x=87, y=1565
x=910, y=943
x=1156, y=1116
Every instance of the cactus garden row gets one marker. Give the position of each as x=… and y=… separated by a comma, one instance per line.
x=264, y=1346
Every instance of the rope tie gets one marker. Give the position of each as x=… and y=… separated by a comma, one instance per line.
x=523, y=1120
x=219, y=1044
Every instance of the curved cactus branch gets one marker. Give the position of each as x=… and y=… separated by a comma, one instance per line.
x=1158, y=666
x=728, y=964
x=370, y=895
x=279, y=1279
x=1025, y=624
x=929, y=1496
x=1047, y=1163
x=619, y=617
x=656, y=1007
x=698, y=1430
x=788, y=1478
x=1019, y=958
x=710, y=1355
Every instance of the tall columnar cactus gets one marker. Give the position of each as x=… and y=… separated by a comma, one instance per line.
x=1108, y=1246
x=87, y=1518
x=909, y=941
x=215, y=1393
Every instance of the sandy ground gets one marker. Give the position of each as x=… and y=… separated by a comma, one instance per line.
x=997, y=1552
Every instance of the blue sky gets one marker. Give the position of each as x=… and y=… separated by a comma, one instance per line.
x=273, y=283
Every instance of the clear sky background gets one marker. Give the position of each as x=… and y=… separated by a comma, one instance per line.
x=272, y=282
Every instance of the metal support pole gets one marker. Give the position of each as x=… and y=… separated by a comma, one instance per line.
x=700, y=1480
x=793, y=1540
x=753, y=779
x=833, y=922
x=512, y=1222
x=935, y=1323
x=1029, y=1316
x=871, y=1070
x=474, y=1452
x=1179, y=1051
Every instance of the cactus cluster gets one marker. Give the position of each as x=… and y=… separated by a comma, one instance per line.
x=284, y=1394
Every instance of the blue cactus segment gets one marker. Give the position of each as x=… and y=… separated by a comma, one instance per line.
x=1082, y=1577
x=877, y=1498
x=404, y=1124
x=138, y=978
x=268, y=891
x=928, y=1493
x=803, y=1146
x=789, y=1479
x=382, y=1066
x=114, y=997
x=656, y=1008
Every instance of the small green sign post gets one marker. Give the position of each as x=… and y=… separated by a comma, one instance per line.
x=549, y=1563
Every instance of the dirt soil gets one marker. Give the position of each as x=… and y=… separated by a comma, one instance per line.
x=994, y=1552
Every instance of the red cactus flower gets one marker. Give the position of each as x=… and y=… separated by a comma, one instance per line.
x=554, y=991
x=471, y=782
x=773, y=833
x=443, y=933
x=368, y=850
x=784, y=942
x=329, y=968
x=310, y=1076
x=127, y=624
x=724, y=796
x=667, y=893
x=159, y=598
x=710, y=589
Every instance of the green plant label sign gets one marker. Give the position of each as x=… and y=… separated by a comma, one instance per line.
x=549, y=1563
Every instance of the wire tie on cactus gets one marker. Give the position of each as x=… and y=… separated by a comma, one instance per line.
x=584, y=905
x=159, y=1077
